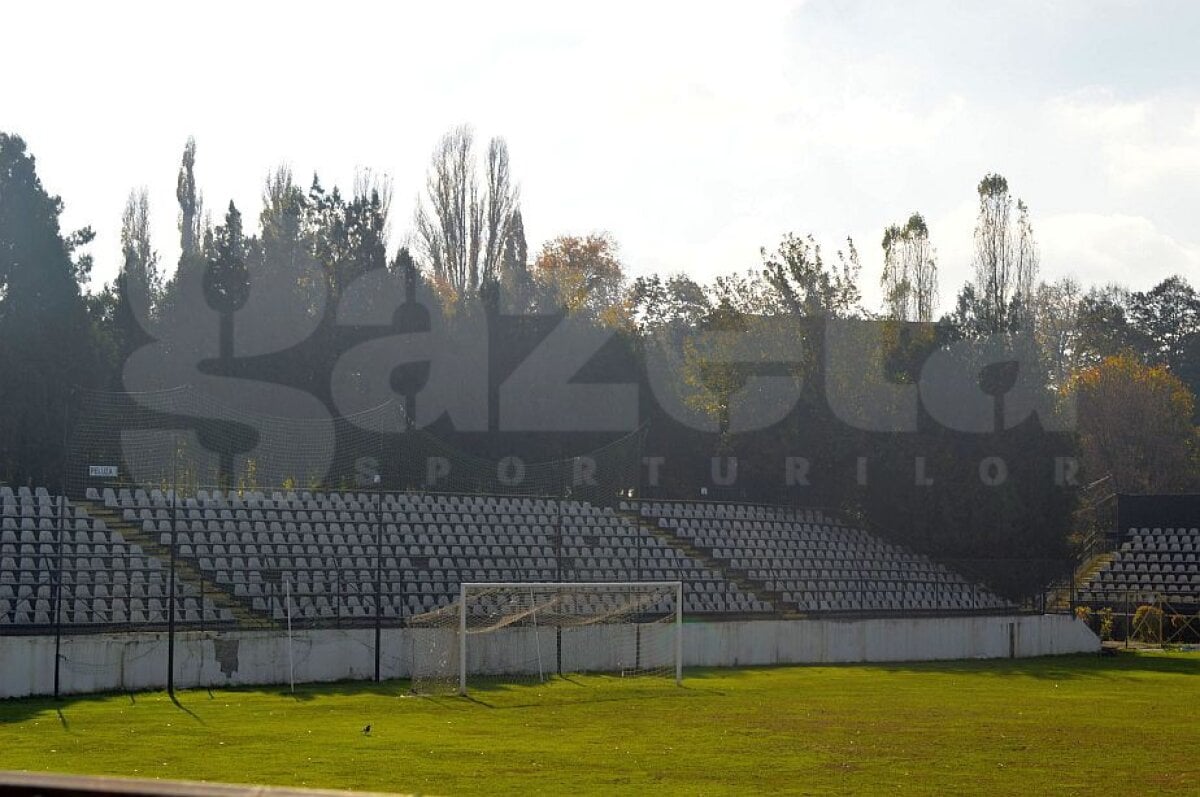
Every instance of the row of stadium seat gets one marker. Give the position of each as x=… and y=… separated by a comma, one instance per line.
x=344, y=555
x=513, y=540
x=249, y=500
x=91, y=574
x=814, y=563
x=1152, y=563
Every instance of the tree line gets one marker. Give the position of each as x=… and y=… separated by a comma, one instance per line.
x=1127, y=362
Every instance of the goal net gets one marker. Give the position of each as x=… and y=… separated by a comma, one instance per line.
x=514, y=633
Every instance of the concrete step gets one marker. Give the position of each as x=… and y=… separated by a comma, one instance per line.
x=738, y=578
x=1060, y=598
x=185, y=569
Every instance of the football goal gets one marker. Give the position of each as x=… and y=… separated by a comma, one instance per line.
x=511, y=633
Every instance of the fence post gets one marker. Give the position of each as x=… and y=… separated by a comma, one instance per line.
x=558, y=578
x=58, y=597
x=378, y=582
x=1128, y=618
x=171, y=576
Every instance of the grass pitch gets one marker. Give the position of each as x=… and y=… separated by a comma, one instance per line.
x=1069, y=725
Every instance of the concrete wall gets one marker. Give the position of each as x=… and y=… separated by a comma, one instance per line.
x=902, y=639
x=119, y=662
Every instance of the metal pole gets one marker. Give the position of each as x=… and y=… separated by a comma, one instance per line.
x=462, y=639
x=679, y=634
x=558, y=668
x=537, y=637
x=61, y=523
x=637, y=527
x=558, y=542
x=58, y=597
x=1128, y=618
x=378, y=585
x=171, y=576
x=287, y=597
x=1074, y=592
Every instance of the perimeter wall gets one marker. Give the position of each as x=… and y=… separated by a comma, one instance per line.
x=128, y=662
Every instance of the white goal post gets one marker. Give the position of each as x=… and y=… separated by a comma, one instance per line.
x=514, y=632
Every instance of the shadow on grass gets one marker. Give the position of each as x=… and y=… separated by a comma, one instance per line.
x=185, y=709
x=1061, y=668
x=571, y=690
x=313, y=691
x=698, y=682
x=1048, y=667
x=17, y=710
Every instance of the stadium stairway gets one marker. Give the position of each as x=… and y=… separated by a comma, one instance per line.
x=736, y=577
x=243, y=614
x=1059, y=599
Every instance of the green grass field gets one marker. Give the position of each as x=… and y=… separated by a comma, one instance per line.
x=1070, y=725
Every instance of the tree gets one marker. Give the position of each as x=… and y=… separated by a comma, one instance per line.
x=45, y=340
x=677, y=301
x=226, y=280
x=583, y=275
x=138, y=285
x=1104, y=326
x=746, y=292
x=463, y=231
x=139, y=260
x=110, y=350
x=909, y=278
x=1166, y=316
x=1006, y=260
x=516, y=281
x=805, y=285
x=1135, y=426
x=349, y=238
x=192, y=227
x=191, y=204
x=287, y=233
x=1188, y=368
x=1055, y=314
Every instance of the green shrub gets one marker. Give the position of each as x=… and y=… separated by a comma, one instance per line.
x=1106, y=623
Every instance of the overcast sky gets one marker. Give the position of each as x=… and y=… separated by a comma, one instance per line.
x=694, y=134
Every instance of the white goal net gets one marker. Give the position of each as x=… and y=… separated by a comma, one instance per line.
x=511, y=633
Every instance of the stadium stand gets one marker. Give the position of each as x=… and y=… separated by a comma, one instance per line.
x=317, y=558
x=1151, y=564
x=813, y=563
x=106, y=580
x=324, y=546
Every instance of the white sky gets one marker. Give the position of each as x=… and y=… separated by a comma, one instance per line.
x=693, y=133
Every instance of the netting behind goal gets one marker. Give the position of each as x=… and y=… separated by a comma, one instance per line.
x=528, y=633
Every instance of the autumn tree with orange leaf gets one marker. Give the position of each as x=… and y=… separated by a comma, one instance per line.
x=1135, y=427
x=583, y=275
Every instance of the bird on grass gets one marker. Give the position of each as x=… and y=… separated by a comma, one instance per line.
x=366, y=731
